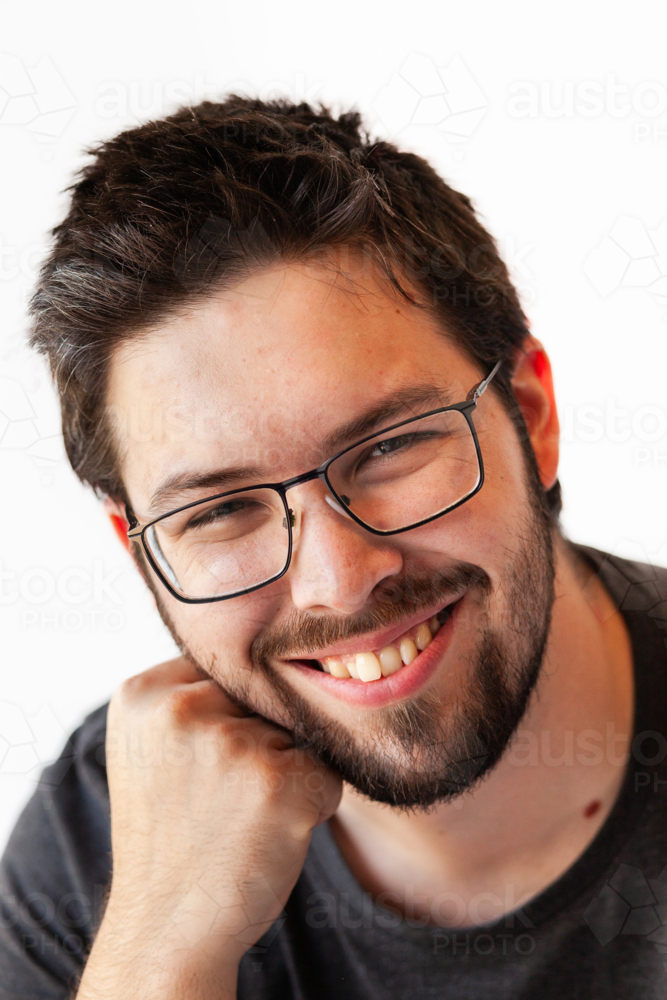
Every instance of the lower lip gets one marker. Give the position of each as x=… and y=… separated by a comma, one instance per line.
x=404, y=683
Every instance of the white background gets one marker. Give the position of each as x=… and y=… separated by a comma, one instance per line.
x=570, y=180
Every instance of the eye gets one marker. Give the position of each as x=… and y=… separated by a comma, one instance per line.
x=398, y=455
x=391, y=444
x=222, y=511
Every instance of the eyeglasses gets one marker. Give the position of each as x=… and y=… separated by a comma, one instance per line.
x=399, y=478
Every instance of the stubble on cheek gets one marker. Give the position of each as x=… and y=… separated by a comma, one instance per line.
x=235, y=674
x=442, y=742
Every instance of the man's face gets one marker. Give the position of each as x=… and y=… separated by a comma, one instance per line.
x=261, y=376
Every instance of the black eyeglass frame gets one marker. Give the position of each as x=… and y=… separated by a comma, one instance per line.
x=137, y=530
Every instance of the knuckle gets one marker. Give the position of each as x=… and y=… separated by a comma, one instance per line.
x=178, y=706
x=139, y=685
x=130, y=693
x=240, y=744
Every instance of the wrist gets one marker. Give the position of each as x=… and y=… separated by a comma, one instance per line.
x=107, y=978
x=133, y=957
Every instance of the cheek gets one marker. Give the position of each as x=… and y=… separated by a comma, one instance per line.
x=219, y=636
x=474, y=533
x=506, y=475
x=489, y=529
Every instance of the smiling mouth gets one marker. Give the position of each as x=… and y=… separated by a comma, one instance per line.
x=373, y=665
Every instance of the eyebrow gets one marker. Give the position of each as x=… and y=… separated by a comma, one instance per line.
x=179, y=483
x=411, y=400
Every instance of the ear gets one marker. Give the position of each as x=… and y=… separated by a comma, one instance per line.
x=533, y=385
x=116, y=514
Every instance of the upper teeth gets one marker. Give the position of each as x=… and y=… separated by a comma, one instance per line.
x=370, y=666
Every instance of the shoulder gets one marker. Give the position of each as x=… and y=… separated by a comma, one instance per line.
x=55, y=870
x=635, y=586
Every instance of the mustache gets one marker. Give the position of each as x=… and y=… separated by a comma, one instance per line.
x=302, y=632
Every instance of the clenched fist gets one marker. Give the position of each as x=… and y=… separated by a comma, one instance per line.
x=211, y=817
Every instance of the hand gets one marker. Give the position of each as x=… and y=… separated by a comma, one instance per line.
x=211, y=817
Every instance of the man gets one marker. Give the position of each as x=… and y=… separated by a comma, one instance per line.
x=414, y=743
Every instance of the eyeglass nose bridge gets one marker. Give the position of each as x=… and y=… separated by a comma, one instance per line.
x=340, y=503
x=295, y=513
x=305, y=478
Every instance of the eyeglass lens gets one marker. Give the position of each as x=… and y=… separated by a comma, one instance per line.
x=395, y=480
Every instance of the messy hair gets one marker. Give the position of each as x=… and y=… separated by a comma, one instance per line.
x=174, y=209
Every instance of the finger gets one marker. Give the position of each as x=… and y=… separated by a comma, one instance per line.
x=180, y=670
x=165, y=679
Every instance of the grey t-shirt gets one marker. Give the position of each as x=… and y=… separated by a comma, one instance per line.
x=599, y=931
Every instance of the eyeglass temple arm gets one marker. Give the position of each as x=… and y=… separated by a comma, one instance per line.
x=481, y=387
x=133, y=525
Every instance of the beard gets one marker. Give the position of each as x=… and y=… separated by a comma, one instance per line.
x=419, y=753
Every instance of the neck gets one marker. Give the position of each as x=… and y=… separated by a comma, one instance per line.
x=544, y=802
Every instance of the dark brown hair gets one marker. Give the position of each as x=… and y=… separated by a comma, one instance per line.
x=174, y=208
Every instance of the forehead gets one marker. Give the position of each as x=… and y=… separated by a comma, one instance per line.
x=259, y=373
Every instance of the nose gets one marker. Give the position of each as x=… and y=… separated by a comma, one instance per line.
x=336, y=564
